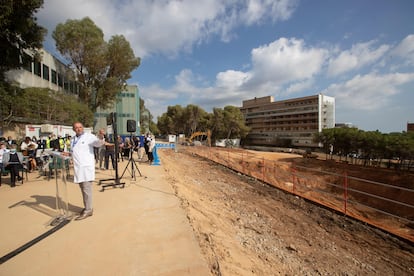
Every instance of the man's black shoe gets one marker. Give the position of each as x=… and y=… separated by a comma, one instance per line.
x=84, y=215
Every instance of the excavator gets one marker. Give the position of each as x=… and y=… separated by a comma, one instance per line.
x=201, y=133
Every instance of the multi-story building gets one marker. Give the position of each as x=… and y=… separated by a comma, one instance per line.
x=48, y=72
x=291, y=122
x=126, y=108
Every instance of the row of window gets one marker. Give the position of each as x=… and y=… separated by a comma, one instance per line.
x=302, y=103
x=279, y=111
x=280, y=122
x=43, y=71
x=118, y=115
x=264, y=135
x=301, y=128
x=128, y=95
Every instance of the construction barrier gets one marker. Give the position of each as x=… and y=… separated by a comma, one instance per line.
x=388, y=207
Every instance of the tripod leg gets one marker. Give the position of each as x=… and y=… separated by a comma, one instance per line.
x=132, y=169
x=140, y=174
x=125, y=169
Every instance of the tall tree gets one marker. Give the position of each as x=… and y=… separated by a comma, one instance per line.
x=18, y=32
x=102, y=68
x=217, y=127
x=234, y=122
x=193, y=115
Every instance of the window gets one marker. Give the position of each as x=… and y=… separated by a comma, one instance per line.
x=54, y=77
x=60, y=80
x=37, y=68
x=45, y=72
x=27, y=62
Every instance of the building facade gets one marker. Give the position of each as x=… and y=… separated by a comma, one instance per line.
x=48, y=72
x=126, y=108
x=291, y=122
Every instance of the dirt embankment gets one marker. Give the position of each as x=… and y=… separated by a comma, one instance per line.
x=245, y=227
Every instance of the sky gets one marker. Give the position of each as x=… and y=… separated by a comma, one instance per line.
x=214, y=53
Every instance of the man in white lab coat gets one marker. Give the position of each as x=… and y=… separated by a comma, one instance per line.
x=82, y=149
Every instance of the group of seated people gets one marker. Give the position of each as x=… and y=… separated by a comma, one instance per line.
x=28, y=155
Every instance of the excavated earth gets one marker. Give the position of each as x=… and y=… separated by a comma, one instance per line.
x=246, y=227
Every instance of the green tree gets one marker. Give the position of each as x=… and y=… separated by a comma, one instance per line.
x=223, y=123
x=8, y=107
x=42, y=105
x=218, y=129
x=327, y=138
x=172, y=122
x=234, y=122
x=102, y=68
x=19, y=32
x=373, y=145
x=193, y=115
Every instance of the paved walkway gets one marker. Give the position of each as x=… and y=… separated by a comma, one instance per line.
x=138, y=230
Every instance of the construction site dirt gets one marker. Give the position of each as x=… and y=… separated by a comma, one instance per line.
x=247, y=227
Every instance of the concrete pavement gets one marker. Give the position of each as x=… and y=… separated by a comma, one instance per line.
x=136, y=230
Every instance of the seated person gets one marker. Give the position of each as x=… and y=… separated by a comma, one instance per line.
x=28, y=147
x=3, y=149
x=13, y=161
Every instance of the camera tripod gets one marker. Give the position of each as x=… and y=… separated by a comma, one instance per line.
x=132, y=163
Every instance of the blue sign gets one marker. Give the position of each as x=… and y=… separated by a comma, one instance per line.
x=165, y=146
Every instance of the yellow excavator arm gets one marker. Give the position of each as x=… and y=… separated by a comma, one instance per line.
x=201, y=133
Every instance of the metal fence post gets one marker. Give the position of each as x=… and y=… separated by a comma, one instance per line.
x=263, y=170
x=345, y=191
x=293, y=178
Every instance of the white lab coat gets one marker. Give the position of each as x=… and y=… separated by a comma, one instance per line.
x=83, y=156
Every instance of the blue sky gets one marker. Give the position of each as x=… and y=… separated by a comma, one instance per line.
x=214, y=53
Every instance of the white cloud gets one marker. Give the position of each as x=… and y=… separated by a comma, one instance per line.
x=299, y=86
x=286, y=60
x=231, y=79
x=368, y=92
x=166, y=26
x=358, y=56
x=184, y=82
x=405, y=49
x=259, y=10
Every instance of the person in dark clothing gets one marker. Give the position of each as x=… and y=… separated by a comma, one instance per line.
x=13, y=161
x=110, y=152
x=135, y=145
x=147, y=140
x=54, y=143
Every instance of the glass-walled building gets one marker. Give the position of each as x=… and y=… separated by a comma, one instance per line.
x=126, y=108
